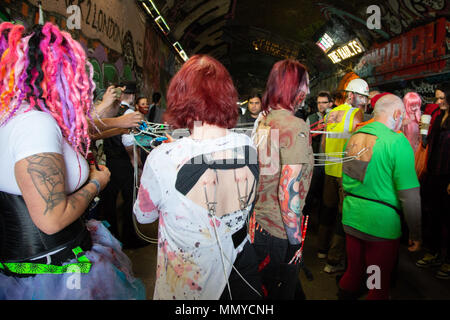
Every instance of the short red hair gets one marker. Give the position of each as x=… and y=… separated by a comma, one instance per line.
x=202, y=90
x=287, y=85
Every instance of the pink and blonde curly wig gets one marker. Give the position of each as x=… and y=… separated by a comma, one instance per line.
x=48, y=70
x=412, y=102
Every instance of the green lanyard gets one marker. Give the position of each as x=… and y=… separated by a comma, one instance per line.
x=83, y=266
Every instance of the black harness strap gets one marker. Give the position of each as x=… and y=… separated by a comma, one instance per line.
x=239, y=235
x=190, y=173
x=399, y=212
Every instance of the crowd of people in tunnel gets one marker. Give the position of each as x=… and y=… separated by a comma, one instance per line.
x=232, y=208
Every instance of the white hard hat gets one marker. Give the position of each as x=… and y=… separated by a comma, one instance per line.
x=358, y=86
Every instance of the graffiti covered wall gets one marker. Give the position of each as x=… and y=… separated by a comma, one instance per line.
x=113, y=33
x=399, y=16
x=409, y=53
x=416, y=60
x=160, y=63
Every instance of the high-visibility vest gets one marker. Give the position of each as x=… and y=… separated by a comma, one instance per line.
x=337, y=135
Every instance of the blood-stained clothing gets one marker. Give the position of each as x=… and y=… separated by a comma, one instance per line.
x=189, y=262
x=281, y=139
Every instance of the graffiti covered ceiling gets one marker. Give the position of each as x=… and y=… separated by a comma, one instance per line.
x=248, y=36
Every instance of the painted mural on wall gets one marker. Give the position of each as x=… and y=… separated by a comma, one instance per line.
x=160, y=63
x=112, y=33
x=413, y=44
x=424, y=87
x=116, y=24
x=420, y=52
x=114, y=48
x=352, y=20
x=398, y=16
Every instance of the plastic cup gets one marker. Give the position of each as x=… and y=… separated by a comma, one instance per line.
x=425, y=119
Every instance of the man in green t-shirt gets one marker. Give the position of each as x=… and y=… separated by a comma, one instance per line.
x=379, y=184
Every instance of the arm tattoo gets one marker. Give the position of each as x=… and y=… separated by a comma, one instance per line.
x=80, y=194
x=47, y=174
x=290, y=205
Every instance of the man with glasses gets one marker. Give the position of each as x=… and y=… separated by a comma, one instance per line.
x=316, y=123
x=340, y=123
x=324, y=105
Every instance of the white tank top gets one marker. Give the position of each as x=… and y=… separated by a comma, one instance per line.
x=36, y=132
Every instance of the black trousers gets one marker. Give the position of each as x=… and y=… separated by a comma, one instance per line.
x=314, y=197
x=280, y=279
x=247, y=265
x=122, y=181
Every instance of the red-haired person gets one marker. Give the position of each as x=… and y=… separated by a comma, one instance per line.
x=47, y=248
x=202, y=189
x=286, y=164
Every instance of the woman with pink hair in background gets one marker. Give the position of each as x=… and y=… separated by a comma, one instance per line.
x=412, y=102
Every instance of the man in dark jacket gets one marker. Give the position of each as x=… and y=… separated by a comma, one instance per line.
x=253, y=107
x=154, y=111
x=315, y=121
x=122, y=181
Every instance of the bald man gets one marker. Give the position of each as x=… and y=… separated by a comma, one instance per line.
x=380, y=184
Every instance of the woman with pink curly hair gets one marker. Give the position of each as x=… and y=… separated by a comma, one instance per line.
x=412, y=102
x=48, y=250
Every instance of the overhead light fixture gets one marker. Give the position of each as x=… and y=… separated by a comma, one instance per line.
x=151, y=9
x=147, y=8
x=162, y=25
x=180, y=51
x=157, y=17
x=281, y=50
x=184, y=56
